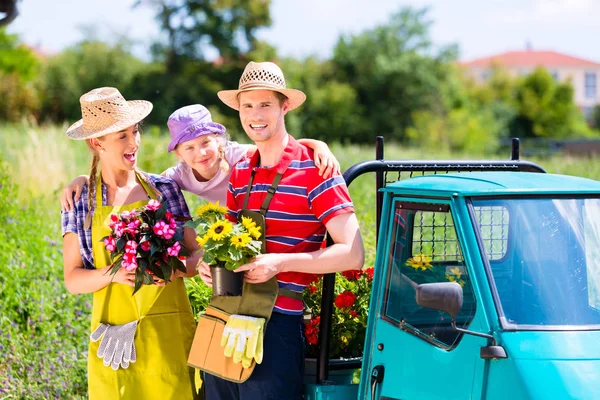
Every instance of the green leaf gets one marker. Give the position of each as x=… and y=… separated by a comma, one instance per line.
x=143, y=264
x=121, y=242
x=138, y=281
x=184, y=251
x=154, y=247
x=160, y=213
x=116, y=265
x=192, y=224
x=177, y=264
x=166, y=271
x=208, y=257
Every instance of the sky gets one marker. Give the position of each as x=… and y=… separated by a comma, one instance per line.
x=312, y=27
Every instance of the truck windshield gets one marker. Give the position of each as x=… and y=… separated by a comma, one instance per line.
x=544, y=258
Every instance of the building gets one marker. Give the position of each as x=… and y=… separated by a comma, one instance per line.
x=584, y=74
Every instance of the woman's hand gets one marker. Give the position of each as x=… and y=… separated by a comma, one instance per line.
x=123, y=276
x=325, y=160
x=204, y=272
x=67, y=202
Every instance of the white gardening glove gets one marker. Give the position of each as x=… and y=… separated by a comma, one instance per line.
x=243, y=339
x=116, y=348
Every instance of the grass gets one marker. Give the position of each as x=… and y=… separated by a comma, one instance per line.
x=43, y=329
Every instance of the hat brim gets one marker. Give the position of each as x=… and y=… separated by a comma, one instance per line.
x=138, y=110
x=230, y=97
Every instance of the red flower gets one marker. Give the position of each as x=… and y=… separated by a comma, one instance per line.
x=345, y=299
x=353, y=314
x=352, y=275
x=311, y=330
x=312, y=288
x=369, y=273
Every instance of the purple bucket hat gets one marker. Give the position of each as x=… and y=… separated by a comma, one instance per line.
x=190, y=122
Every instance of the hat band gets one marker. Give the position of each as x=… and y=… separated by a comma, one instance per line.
x=260, y=85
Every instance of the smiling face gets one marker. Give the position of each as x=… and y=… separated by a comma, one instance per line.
x=201, y=154
x=119, y=150
x=262, y=115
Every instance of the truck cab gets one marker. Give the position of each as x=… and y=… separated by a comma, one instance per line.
x=486, y=286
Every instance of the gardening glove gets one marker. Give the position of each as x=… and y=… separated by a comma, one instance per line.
x=254, y=347
x=116, y=348
x=240, y=332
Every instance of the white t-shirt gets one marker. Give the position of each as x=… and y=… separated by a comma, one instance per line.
x=216, y=188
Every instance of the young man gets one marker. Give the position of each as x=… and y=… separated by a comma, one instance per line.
x=302, y=206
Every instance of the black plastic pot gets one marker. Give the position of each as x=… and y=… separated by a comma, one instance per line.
x=226, y=282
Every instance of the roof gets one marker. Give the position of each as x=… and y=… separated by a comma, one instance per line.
x=531, y=58
x=496, y=183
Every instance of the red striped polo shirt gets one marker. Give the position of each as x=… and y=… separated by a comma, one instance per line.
x=303, y=203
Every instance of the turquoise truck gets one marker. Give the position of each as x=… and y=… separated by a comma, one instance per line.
x=486, y=286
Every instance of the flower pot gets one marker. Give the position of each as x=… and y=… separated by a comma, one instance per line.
x=226, y=282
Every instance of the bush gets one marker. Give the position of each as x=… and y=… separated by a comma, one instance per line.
x=43, y=329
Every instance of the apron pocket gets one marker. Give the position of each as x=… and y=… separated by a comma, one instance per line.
x=207, y=354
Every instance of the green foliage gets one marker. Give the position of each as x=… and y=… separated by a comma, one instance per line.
x=81, y=68
x=195, y=27
x=16, y=58
x=595, y=116
x=43, y=329
x=18, y=66
x=394, y=70
x=546, y=108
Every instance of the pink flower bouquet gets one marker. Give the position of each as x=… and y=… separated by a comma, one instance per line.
x=144, y=240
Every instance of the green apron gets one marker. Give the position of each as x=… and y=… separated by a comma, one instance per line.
x=164, y=332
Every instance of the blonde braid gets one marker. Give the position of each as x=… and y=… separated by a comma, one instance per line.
x=91, y=198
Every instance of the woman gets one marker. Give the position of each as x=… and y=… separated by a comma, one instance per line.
x=156, y=324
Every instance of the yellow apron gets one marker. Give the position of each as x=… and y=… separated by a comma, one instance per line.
x=164, y=333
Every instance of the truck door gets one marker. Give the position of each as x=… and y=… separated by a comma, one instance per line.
x=413, y=352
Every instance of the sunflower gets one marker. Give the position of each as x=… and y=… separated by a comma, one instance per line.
x=419, y=262
x=254, y=232
x=210, y=207
x=248, y=223
x=202, y=240
x=452, y=278
x=240, y=241
x=219, y=230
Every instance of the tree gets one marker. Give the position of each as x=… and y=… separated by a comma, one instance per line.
x=81, y=68
x=395, y=71
x=546, y=108
x=18, y=68
x=195, y=27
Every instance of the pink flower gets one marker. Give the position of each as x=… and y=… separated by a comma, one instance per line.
x=163, y=230
x=111, y=244
x=113, y=221
x=174, y=250
x=126, y=215
x=171, y=220
x=133, y=226
x=130, y=247
x=119, y=228
x=129, y=262
x=145, y=246
x=153, y=205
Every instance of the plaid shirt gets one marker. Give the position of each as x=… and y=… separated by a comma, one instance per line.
x=74, y=221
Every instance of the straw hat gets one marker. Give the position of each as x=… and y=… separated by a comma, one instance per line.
x=105, y=111
x=262, y=76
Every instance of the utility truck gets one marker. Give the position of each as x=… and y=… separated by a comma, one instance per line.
x=486, y=285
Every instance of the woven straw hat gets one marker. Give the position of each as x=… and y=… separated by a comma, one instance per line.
x=105, y=111
x=262, y=76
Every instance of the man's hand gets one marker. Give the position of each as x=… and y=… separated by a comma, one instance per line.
x=263, y=268
x=204, y=272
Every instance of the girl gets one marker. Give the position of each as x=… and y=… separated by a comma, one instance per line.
x=139, y=344
x=206, y=156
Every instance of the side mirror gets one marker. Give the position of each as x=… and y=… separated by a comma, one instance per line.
x=442, y=296
x=448, y=297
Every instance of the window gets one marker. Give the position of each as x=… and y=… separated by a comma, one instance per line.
x=590, y=85
x=425, y=249
x=554, y=74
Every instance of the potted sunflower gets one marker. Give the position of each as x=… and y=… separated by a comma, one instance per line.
x=226, y=246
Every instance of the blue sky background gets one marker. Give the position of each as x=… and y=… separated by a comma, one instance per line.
x=312, y=27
